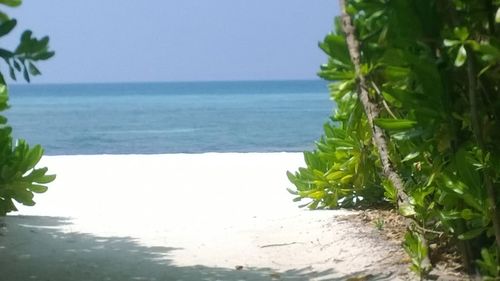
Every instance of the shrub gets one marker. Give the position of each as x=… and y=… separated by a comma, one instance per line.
x=19, y=179
x=431, y=68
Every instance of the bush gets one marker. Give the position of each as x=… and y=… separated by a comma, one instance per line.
x=19, y=179
x=432, y=70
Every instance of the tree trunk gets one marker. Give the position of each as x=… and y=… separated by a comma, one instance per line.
x=372, y=111
x=477, y=130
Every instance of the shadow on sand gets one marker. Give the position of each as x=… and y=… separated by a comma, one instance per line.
x=36, y=248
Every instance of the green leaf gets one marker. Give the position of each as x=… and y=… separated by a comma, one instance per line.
x=497, y=16
x=450, y=215
x=461, y=56
x=336, y=175
x=33, y=69
x=467, y=214
x=420, y=194
x=335, y=46
x=456, y=186
x=17, y=66
x=394, y=57
x=43, y=56
x=461, y=33
x=411, y=156
x=390, y=191
x=33, y=157
x=11, y=3
x=7, y=26
x=471, y=233
x=291, y=177
x=23, y=196
x=4, y=17
x=317, y=194
x=346, y=179
x=394, y=124
x=449, y=43
x=26, y=36
x=26, y=75
x=490, y=50
x=407, y=210
x=12, y=73
x=45, y=179
x=38, y=188
x=465, y=169
x=396, y=72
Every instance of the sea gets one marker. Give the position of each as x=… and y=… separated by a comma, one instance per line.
x=172, y=117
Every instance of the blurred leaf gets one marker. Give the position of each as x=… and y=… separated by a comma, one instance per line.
x=461, y=33
x=38, y=188
x=26, y=75
x=45, y=179
x=43, y=55
x=4, y=17
x=394, y=124
x=7, y=26
x=461, y=56
x=411, y=156
x=467, y=214
x=11, y=3
x=488, y=49
x=17, y=66
x=406, y=210
x=450, y=43
x=471, y=234
x=12, y=73
x=23, y=196
x=335, y=46
x=33, y=69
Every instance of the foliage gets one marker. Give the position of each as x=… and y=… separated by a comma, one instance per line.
x=379, y=224
x=19, y=178
x=417, y=251
x=433, y=67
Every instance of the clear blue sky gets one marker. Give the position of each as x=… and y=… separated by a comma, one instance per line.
x=182, y=40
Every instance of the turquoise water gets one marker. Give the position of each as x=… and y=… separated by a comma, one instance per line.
x=184, y=117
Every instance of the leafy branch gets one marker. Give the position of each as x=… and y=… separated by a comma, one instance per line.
x=416, y=86
x=19, y=176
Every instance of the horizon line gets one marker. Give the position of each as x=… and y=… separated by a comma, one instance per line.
x=16, y=83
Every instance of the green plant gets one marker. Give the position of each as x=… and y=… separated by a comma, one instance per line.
x=488, y=264
x=417, y=124
x=379, y=224
x=19, y=178
x=417, y=251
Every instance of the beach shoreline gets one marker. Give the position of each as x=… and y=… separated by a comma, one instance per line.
x=228, y=212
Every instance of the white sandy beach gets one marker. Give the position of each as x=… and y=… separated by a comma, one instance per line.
x=214, y=216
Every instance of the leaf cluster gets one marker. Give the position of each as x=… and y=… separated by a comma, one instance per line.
x=433, y=67
x=19, y=177
x=29, y=51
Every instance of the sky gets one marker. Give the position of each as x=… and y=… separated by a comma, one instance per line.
x=182, y=40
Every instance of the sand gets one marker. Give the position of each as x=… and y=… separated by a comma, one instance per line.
x=213, y=216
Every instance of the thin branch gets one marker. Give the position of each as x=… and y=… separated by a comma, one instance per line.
x=426, y=230
x=383, y=100
x=278, y=245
